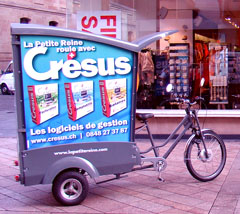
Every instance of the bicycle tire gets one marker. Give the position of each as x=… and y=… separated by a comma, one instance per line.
x=202, y=168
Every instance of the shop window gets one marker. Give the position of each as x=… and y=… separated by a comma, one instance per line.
x=53, y=23
x=24, y=20
x=206, y=46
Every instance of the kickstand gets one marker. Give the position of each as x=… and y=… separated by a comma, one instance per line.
x=160, y=178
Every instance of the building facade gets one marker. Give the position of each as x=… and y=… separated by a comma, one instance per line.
x=35, y=12
x=206, y=47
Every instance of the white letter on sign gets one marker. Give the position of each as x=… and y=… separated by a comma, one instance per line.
x=123, y=66
x=31, y=72
x=71, y=69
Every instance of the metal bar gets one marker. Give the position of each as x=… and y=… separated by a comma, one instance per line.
x=151, y=140
x=140, y=128
x=142, y=167
x=112, y=179
x=19, y=103
x=167, y=153
x=133, y=110
x=184, y=120
x=201, y=135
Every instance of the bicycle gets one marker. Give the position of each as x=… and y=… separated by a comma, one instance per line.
x=203, y=166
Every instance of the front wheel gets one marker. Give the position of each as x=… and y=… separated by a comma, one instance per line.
x=70, y=188
x=201, y=166
x=4, y=89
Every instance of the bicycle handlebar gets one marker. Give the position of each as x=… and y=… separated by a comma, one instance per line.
x=186, y=101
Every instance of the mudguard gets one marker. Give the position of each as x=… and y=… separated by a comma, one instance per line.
x=68, y=163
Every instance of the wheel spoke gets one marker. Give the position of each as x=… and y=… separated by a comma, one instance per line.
x=70, y=188
x=206, y=168
x=74, y=188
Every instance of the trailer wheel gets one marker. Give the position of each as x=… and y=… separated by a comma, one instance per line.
x=70, y=188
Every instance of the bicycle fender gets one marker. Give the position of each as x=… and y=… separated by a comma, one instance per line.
x=190, y=139
x=68, y=163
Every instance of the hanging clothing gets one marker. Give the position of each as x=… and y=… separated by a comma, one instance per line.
x=146, y=68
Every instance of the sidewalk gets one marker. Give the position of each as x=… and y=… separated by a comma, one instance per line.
x=138, y=192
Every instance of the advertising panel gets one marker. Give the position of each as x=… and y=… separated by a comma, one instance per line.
x=75, y=91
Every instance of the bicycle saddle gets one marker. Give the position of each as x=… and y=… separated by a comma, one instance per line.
x=142, y=116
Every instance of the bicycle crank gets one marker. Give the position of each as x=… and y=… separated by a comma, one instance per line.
x=159, y=164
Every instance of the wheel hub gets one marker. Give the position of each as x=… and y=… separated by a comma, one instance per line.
x=71, y=189
x=203, y=157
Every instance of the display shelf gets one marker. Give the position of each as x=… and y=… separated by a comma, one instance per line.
x=179, y=69
x=219, y=65
x=233, y=67
x=161, y=74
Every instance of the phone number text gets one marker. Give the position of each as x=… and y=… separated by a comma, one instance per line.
x=106, y=132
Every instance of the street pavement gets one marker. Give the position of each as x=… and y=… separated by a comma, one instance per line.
x=8, y=118
x=136, y=192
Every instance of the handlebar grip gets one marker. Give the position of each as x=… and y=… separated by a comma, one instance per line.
x=187, y=101
x=198, y=98
x=181, y=100
x=178, y=100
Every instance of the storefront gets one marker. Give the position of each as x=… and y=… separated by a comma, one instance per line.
x=206, y=46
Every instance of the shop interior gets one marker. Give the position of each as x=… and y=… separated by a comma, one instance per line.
x=206, y=47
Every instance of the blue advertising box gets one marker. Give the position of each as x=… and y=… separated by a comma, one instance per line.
x=75, y=95
x=75, y=91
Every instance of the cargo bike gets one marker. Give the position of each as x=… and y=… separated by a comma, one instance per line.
x=75, y=95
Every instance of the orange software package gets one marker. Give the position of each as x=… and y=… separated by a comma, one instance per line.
x=113, y=96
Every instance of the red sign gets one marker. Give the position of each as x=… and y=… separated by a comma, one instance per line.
x=106, y=23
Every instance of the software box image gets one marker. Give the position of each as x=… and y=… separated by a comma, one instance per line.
x=113, y=96
x=43, y=101
x=79, y=97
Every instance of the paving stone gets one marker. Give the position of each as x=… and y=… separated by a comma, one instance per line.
x=131, y=209
x=225, y=210
x=224, y=200
x=10, y=204
x=206, y=195
x=151, y=206
x=100, y=203
x=80, y=209
x=187, y=200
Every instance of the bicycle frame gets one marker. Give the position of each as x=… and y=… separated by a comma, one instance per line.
x=187, y=122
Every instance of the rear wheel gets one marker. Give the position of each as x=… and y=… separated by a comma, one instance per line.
x=70, y=188
x=206, y=167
